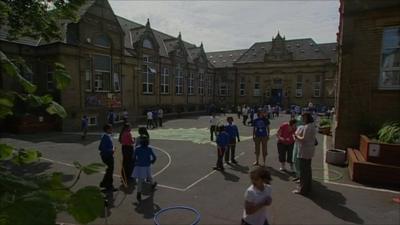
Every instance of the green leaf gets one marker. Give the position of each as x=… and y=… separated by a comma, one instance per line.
x=61, y=76
x=86, y=204
x=5, y=151
x=92, y=168
x=34, y=208
x=46, y=99
x=12, y=70
x=26, y=156
x=55, y=108
x=12, y=183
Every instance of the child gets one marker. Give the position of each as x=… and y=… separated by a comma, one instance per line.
x=213, y=126
x=143, y=133
x=257, y=198
x=233, y=132
x=222, y=145
x=144, y=157
x=106, y=149
x=84, y=126
x=127, y=142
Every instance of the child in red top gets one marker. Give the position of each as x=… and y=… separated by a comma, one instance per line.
x=285, y=143
x=127, y=142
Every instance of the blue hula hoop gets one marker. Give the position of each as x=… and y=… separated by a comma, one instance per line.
x=195, y=222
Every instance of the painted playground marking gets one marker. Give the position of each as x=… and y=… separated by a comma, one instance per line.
x=327, y=181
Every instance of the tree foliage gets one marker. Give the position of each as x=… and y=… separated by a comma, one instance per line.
x=37, y=199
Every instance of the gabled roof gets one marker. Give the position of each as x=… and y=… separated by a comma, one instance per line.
x=302, y=49
x=222, y=59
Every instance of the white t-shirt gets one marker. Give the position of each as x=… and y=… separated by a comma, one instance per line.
x=149, y=115
x=256, y=196
x=213, y=121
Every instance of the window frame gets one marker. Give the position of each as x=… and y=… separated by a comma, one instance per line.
x=179, y=85
x=102, y=71
x=190, y=87
x=201, y=83
x=392, y=69
x=257, y=87
x=299, y=91
x=148, y=77
x=242, y=86
x=164, y=81
x=317, y=86
x=223, y=87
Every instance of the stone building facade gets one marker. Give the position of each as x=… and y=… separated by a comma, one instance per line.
x=281, y=71
x=369, y=69
x=114, y=64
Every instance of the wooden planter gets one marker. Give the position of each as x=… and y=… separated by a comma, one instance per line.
x=376, y=152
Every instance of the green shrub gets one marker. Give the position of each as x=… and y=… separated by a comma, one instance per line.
x=325, y=122
x=390, y=133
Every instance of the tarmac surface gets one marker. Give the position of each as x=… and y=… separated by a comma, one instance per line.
x=185, y=177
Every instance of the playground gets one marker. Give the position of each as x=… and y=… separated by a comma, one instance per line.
x=185, y=178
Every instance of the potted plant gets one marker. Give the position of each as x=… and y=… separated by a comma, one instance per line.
x=385, y=149
x=325, y=125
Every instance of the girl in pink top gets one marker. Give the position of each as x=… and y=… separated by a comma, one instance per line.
x=285, y=143
x=127, y=142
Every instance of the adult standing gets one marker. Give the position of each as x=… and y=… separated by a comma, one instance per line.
x=160, y=116
x=285, y=144
x=149, y=120
x=244, y=114
x=233, y=132
x=238, y=111
x=260, y=136
x=306, y=153
x=127, y=142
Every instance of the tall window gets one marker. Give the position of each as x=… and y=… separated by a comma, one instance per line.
x=102, y=73
x=256, y=91
x=223, y=89
x=116, y=77
x=317, y=86
x=209, y=86
x=165, y=81
x=50, y=81
x=299, y=86
x=390, y=59
x=190, y=84
x=148, y=75
x=179, y=80
x=242, y=86
x=201, y=82
x=88, y=74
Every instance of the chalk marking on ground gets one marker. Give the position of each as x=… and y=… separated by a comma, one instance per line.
x=169, y=161
x=327, y=181
x=208, y=175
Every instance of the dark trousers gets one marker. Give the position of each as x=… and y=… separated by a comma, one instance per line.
x=238, y=114
x=155, y=122
x=285, y=152
x=107, y=181
x=160, y=121
x=230, y=151
x=127, y=162
x=149, y=124
x=213, y=130
x=220, y=153
x=305, y=176
x=245, y=119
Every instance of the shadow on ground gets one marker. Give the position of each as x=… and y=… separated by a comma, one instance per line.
x=333, y=202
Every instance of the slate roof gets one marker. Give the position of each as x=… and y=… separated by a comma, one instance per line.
x=330, y=50
x=223, y=59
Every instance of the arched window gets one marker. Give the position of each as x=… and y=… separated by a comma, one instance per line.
x=147, y=44
x=102, y=40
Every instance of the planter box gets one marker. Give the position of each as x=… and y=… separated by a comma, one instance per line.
x=373, y=173
x=33, y=124
x=376, y=152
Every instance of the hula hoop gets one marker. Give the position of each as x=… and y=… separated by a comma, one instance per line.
x=338, y=174
x=195, y=222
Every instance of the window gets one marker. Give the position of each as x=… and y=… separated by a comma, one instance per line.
x=317, y=86
x=147, y=44
x=50, y=81
x=268, y=92
x=179, y=80
x=190, y=84
x=116, y=77
x=390, y=59
x=148, y=75
x=102, y=72
x=242, y=86
x=201, y=82
x=165, y=81
x=256, y=91
x=209, y=86
x=299, y=86
x=92, y=121
x=223, y=89
x=102, y=41
x=88, y=75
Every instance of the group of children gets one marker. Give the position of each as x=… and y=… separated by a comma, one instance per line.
x=137, y=158
x=155, y=118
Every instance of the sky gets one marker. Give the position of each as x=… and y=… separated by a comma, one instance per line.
x=229, y=25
